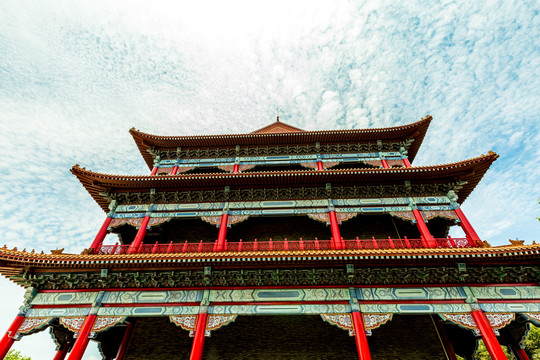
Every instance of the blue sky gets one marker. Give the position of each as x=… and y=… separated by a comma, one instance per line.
x=75, y=77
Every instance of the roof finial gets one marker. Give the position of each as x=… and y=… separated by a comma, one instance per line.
x=277, y=119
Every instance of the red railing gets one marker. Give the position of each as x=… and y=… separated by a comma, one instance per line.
x=285, y=245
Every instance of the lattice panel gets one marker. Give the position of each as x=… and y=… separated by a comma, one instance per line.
x=33, y=324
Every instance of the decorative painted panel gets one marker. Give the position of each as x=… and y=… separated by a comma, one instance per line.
x=102, y=323
x=435, y=203
x=142, y=297
x=31, y=325
x=106, y=322
x=154, y=220
x=466, y=321
x=323, y=294
x=148, y=311
x=73, y=324
x=414, y=308
x=510, y=307
x=186, y=322
x=57, y=312
x=373, y=321
x=64, y=298
x=506, y=292
x=231, y=220
x=324, y=217
x=342, y=321
x=427, y=293
x=214, y=322
x=280, y=309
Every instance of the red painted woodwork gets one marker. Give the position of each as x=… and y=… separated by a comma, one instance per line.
x=154, y=170
x=519, y=352
x=8, y=338
x=385, y=164
x=338, y=242
x=448, y=348
x=98, y=240
x=236, y=169
x=424, y=231
x=356, y=244
x=360, y=336
x=220, y=243
x=198, y=340
x=61, y=354
x=82, y=340
x=174, y=170
x=137, y=242
x=406, y=163
x=490, y=340
x=125, y=342
x=320, y=166
x=472, y=236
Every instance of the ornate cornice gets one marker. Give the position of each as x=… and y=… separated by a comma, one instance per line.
x=285, y=277
x=283, y=193
x=414, y=131
x=278, y=150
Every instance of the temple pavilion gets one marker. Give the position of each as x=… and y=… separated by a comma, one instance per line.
x=281, y=244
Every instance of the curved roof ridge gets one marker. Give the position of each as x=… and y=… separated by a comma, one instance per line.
x=490, y=155
x=21, y=255
x=415, y=124
x=469, y=171
x=415, y=130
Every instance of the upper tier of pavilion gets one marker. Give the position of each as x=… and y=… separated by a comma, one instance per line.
x=462, y=176
x=409, y=137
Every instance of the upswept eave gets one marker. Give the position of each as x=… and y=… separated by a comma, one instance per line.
x=469, y=171
x=14, y=261
x=416, y=131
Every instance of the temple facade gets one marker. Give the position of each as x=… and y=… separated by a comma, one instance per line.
x=281, y=244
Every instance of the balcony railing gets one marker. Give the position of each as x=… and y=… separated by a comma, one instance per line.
x=285, y=245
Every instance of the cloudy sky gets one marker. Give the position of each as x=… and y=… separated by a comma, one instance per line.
x=75, y=77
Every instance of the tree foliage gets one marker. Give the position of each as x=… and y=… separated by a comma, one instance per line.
x=532, y=344
x=532, y=347
x=16, y=355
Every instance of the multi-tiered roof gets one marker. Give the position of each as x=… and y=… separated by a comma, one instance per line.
x=357, y=167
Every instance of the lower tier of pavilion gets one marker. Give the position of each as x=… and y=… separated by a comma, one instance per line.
x=433, y=321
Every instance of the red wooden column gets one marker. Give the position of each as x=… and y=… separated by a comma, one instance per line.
x=236, y=167
x=448, y=348
x=519, y=352
x=220, y=243
x=490, y=340
x=406, y=162
x=384, y=164
x=134, y=247
x=338, y=243
x=360, y=336
x=174, y=170
x=61, y=354
x=154, y=170
x=422, y=227
x=471, y=235
x=320, y=166
x=82, y=340
x=98, y=240
x=125, y=342
x=9, y=337
x=200, y=330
